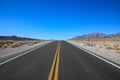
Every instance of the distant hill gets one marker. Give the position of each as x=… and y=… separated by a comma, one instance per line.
x=96, y=36
x=116, y=35
x=15, y=38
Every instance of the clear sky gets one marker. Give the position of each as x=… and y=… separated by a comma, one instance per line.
x=58, y=19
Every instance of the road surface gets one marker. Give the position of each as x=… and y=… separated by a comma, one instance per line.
x=58, y=60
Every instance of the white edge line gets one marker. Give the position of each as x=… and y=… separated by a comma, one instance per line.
x=20, y=55
x=16, y=57
x=96, y=55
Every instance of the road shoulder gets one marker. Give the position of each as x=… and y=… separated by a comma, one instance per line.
x=7, y=54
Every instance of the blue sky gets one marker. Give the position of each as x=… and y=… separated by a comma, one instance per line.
x=58, y=19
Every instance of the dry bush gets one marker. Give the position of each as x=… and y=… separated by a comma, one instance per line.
x=16, y=45
x=109, y=47
x=118, y=51
x=6, y=44
x=101, y=45
x=34, y=42
x=118, y=48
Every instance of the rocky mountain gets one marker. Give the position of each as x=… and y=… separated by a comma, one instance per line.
x=117, y=35
x=95, y=35
x=15, y=38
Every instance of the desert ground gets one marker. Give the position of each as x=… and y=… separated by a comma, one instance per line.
x=16, y=43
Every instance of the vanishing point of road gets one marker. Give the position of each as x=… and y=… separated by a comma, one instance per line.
x=58, y=60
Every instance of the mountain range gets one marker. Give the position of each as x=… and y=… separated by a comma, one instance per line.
x=15, y=38
x=96, y=35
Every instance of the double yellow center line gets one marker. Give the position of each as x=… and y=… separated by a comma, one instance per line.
x=53, y=75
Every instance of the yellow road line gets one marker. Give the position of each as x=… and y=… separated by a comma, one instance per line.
x=55, y=65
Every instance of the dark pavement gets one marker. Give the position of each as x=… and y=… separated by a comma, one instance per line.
x=32, y=66
x=74, y=64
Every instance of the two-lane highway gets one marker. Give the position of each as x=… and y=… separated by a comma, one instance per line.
x=58, y=60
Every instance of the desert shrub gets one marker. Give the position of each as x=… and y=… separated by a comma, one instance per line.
x=100, y=45
x=118, y=51
x=16, y=45
x=118, y=48
x=34, y=42
x=109, y=47
x=7, y=45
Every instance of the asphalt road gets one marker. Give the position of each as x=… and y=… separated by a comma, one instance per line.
x=32, y=66
x=63, y=61
x=76, y=64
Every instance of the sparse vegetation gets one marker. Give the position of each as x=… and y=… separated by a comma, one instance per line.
x=118, y=51
x=17, y=43
x=108, y=43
